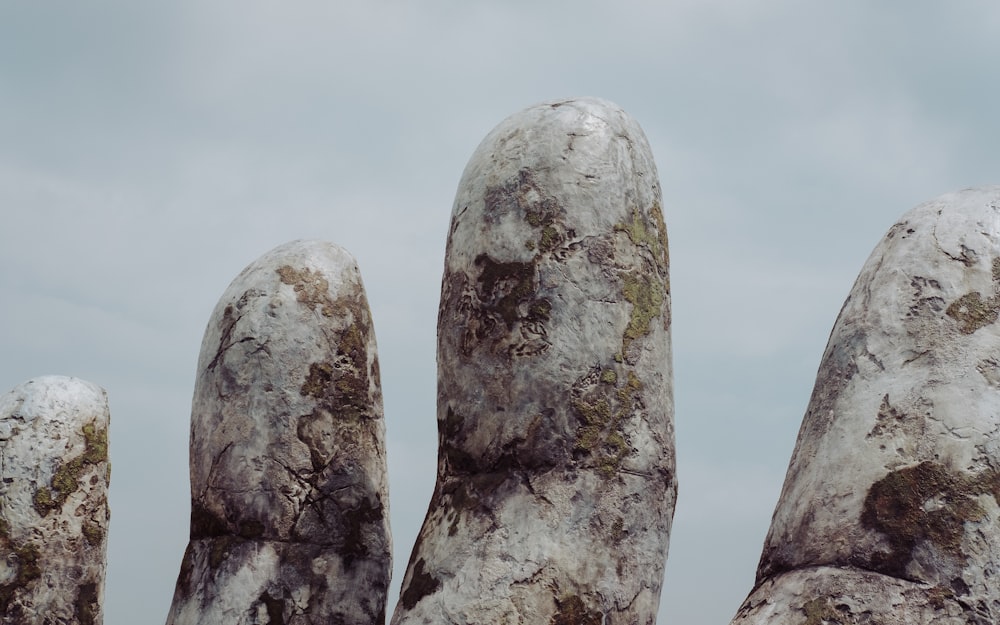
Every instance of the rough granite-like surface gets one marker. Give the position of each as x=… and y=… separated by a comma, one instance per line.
x=556, y=483
x=889, y=512
x=289, y=501
x=54, y=513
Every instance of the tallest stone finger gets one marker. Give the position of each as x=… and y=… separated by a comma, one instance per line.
x=556, y=483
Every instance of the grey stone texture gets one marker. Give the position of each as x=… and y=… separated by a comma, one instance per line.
x=54, y=515
x=289, y=519
x=556, y=480
x=889, y=512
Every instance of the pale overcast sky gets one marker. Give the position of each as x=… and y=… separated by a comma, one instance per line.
x=150, y=151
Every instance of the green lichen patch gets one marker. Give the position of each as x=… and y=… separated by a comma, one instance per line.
x=571, y=610
x=651, y=236
x=550, y=239
x=926, y=503
x=96, y=444
x=93, y=533
x=29, y=569
x=602, y=407
x=421, y=584
x=821, y=611
x=310, y=287
x=66, y=479
x=646, y=296
x=43, y=500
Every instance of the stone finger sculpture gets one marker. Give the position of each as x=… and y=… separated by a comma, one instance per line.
x=289, y=504
x=889, y=512
x=556, y=486
x=53, y=502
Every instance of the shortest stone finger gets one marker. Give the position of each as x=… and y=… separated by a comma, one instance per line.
x=54, y=475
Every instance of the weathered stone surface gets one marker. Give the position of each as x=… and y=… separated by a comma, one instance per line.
x=556, y=484
x=289, y=518
x=850, y=596
x=889, y=510
x=54, y=514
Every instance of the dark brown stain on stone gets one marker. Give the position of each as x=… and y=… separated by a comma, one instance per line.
x=250, y=529
x=421, y=584
x=205, y=523
x=355, y=545
x=571, y=610
x=522, y=194
x=87, y=606
x=317, y=380
x=973, y=311
x=187, y=568
x=924, y=503
x=310, y=287
x=275, y=609
x=504, y=287
x=342, y=386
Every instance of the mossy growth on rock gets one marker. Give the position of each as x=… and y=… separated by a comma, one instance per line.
x=646, y=297
x=821, y=611
x=638, y=231
x=602, y=411
x=571, y=610
x=24, y=558
x=65, y=480
x=93, y=533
